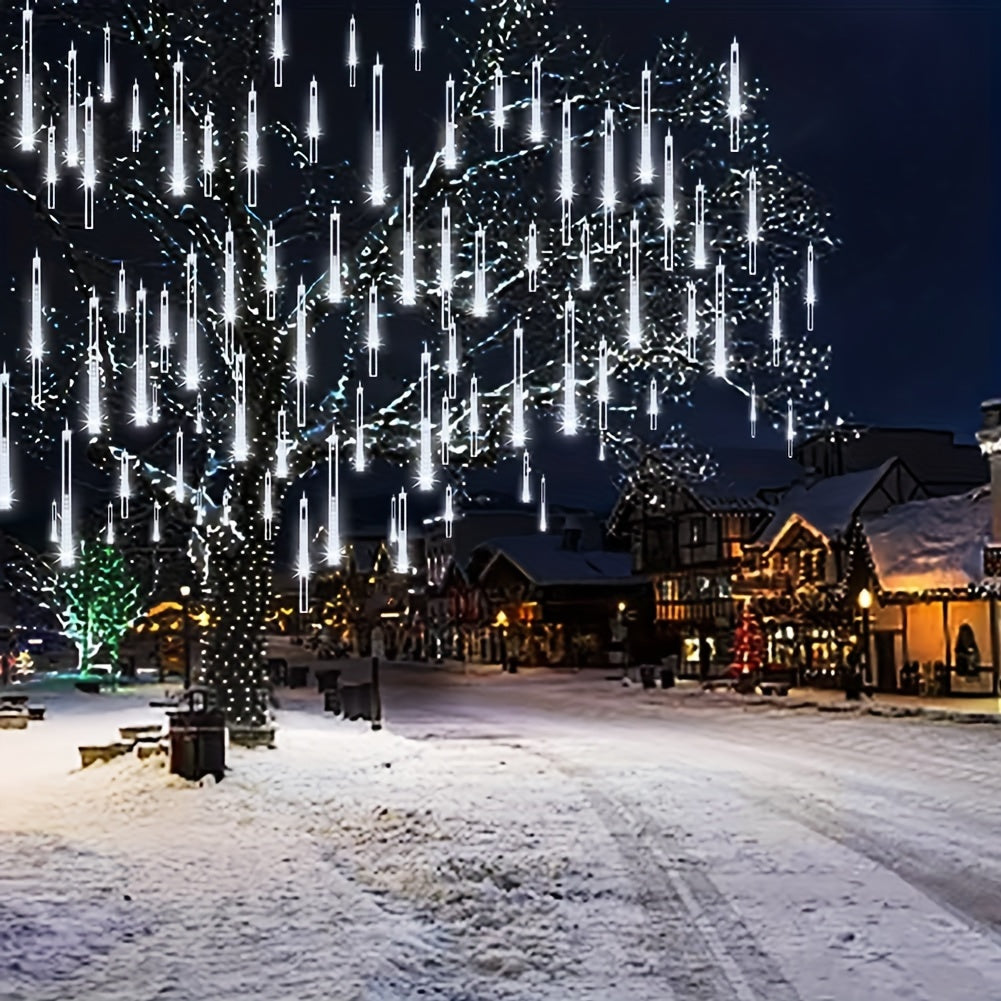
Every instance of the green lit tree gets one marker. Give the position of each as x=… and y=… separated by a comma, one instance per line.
x=96, y=600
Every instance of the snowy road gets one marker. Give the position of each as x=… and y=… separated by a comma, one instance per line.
x=535, y=837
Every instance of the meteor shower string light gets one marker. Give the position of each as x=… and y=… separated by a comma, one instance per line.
x=790, y=429
x=124, y=485
x=106, y=95
x=123, y=300
x=141, y=413
x=533, y=257
x=51, y=171
x=179, y=466
x=669, y=210
x=313, y=126
x=177, y=183
x=253, y=155
x=163, y=334
x=653, y=405
x=94, y=417
x=335, y=290
x=241, y=445
x=603, y=385
x=445, y=264
x=199, y=415
x=448, y=154
x=66, y=546
x=378, y=168
x=776, y=322
x=282, y=447
x=402, y=547
x=692, y=323
x=154, y=402
x=301, y=367
x=719, y=315
x=733, y=107
x=480, y=272
x=498, y=109
x=228, y=294
x=72, y=136
x=271, y=273
x=811, y=287
x=700, y=227
x=566, y=173
x=208, y=157
x=302, y=566
x=333, y=501
x=474, y=418
x=6, y=491
x=191, y=321
x=35, y=346
x=752, y=222
x=445, y=436
x=109, y=536
x=608, y=178
x=89, y=166
x=352, y=53
x=393, y=534
x=518, y=389
x=373, y=330
x=359, y=456
x=425, y=473
x=569, y=367
x=535, y=129
x=278, y=51
x=586, y=281
x=543, y=507
x=452, y=361
x=27, y=83
x=54, y=531
x=754, y=412
x=449, y=512
x=268, y=509
x=635, y=333
x=418, y=37
x=646, y=143
x=526, y=478
x=408, y=283
x=135, y=126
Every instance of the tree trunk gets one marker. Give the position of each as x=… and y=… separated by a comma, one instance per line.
x=238, y=596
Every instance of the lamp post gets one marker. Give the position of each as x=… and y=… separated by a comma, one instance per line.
x=186, y=627
x=865, y=603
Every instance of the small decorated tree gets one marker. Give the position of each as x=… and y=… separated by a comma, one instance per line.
x=96, y=600
x=748, y=644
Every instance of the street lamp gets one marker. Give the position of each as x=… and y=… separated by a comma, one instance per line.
x=186, y=626
x=865, y=603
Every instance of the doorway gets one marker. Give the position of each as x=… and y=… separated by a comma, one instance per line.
x=886, y=664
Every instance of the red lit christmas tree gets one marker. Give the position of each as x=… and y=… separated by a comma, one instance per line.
x=748, y=644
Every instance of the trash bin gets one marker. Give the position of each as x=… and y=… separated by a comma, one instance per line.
x=332, y=701
x=666, y=677
x=328, y=680
x=298, y=675
x=647, y=677
x=198, y=738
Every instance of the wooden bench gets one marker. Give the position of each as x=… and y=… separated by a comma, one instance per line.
x=103, y=752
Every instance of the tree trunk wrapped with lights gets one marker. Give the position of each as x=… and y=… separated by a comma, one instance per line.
x=549, y=263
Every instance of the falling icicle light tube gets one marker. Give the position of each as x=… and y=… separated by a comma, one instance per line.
x=6, y=487
x=378, y=192
x=27, y=137
x=418, y=37
x=177, y=121
x=646, y=139
x=333, y=501
x=313, y=125
x=535, y=129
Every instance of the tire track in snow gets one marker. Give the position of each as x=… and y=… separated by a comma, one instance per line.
x=707, y=952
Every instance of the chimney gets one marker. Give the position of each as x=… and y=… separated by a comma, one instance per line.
x=572, y=531
x=989, y=437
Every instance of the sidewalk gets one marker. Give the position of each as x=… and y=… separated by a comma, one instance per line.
x=956, y=709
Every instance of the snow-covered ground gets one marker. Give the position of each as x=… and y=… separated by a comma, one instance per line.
x=539, y=837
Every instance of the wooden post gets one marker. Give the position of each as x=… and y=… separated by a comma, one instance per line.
x=903, y=623
x=995, y=651
x=945, y=633
x=376, y=705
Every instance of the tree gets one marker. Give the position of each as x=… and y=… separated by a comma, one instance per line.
x=251, y=368
x=748, y=644
x=96, y=600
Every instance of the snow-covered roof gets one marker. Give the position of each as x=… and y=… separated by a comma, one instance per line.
x=932, y=544
x=543, y=560
x=828, y=505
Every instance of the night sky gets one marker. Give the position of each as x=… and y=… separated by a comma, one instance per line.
x=889, y=107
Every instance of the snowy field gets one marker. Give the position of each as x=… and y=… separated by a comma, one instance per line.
x=538, y=837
